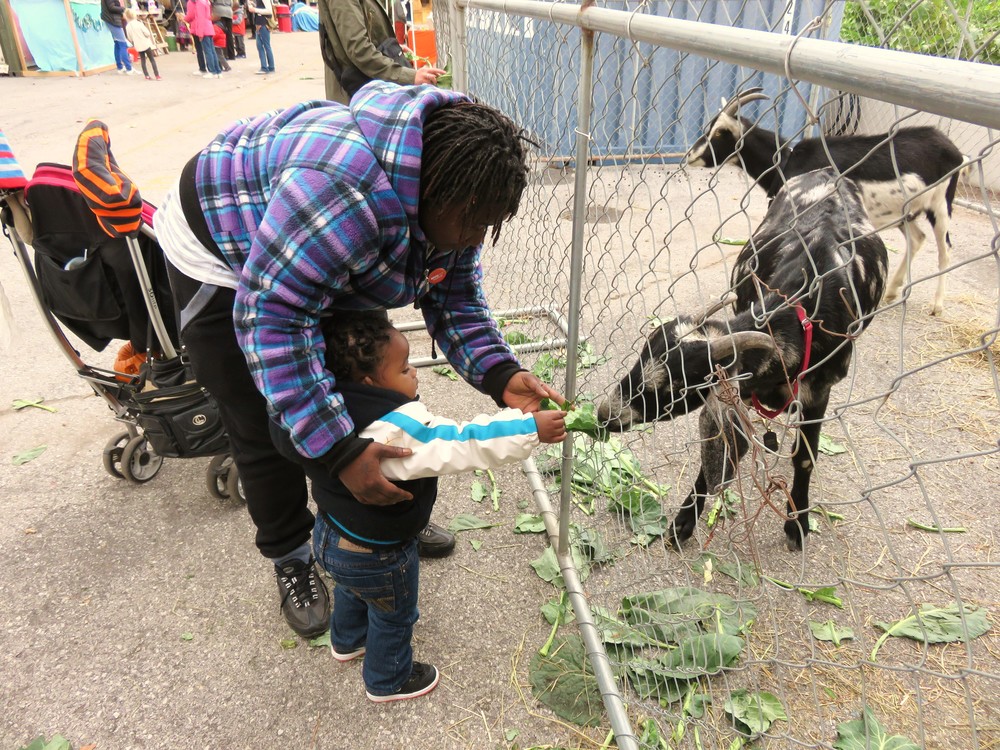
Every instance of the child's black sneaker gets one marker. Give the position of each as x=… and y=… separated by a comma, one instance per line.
x=423, y=679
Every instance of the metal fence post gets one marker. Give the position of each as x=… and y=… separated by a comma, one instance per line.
x=458, y=42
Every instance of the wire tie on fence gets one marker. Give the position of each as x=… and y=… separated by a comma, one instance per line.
x=580, y=132
x=809, y=27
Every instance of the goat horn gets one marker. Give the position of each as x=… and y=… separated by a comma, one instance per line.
x=744, y=97
x=724, y=348
x=727, y=299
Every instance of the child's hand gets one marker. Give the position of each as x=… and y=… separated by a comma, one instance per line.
x=551, y=426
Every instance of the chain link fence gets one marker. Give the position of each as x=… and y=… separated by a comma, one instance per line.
x=882, y=633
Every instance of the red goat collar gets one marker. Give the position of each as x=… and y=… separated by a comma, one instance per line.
x=807, y=334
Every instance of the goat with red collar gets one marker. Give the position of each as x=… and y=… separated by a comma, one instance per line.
x=805, y=286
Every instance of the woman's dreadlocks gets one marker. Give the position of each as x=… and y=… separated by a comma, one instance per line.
x=473, y=157
x=355, y=343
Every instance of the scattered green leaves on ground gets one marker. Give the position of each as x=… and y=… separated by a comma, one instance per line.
x=480, y=491
x=651, y=736
x=467, y=521
x=187, y=636
x=321, y=640
x=29, y=455
x=545, y=367
x=476, y=544
x=828, y=446
x=830, y=631
x=517, y=337
x=753, y=713
x=445, y=371
x=668, y=677
x=563, y=681
x=933, y=624
x=289, y=643
x=587, y=548
x=528, y=523
x=736, y=569
x=643, y=512
x=867, y=733
x=826, y=594
x=558, y=610
x=58, y=742
x=935, y=529
x=20, y=403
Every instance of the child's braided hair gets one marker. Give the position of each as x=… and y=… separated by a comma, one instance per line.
x=355, y=343
x=473, y=155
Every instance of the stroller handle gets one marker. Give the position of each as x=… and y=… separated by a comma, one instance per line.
x=109, y=192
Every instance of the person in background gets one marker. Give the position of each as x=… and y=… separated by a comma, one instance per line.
x=262, y=12
x=222, y=12
x=294, y=216
x=358, y=44
x=370, y=551
x=400, y=21
x=239, y=30
x=199, y=18
x=111, y=13
x=137, y=33
x=219, y=42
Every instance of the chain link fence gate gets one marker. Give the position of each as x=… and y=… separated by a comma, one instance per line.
x=882, y=632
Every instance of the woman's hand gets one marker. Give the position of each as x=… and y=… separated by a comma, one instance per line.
x=525, y=391
x=551, y=426
x=363, y=476
x=428, y=75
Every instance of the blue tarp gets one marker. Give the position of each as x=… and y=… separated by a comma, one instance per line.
x=49, y=39
x=648, y=102
x=304, y=18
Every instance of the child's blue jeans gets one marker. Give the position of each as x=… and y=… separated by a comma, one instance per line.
x=374, y=605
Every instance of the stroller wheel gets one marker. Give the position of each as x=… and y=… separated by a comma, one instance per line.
x=217, y=476
x=113, y=454
x=140, y=462
x=234, y=485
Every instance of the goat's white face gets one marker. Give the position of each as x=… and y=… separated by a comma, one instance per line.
x=718, y=145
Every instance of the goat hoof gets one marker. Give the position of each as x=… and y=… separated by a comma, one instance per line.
x=794, y=536
x=678, y=533
x=937, y=310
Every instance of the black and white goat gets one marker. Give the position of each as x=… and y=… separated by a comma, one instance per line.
x=902, y=175
x=805, y=285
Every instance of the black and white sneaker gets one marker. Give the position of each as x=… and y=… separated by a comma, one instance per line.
x=423, y=679
x=305, y=602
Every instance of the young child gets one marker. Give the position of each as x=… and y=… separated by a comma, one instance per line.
x=219, y=41
x=371, y=550
x=183, y=33
x=239, y=30
x=140, y=38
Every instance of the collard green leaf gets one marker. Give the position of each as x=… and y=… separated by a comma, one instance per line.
x=736, y=569
x=867, y=733
x=830, y=631
x=476, y=544
x=677, y=613
x=564, y=682
x=528, y=523
x=753, y=713
x=445, y=371
x=23, y=403
x=58, y=742
x=29, y=455
x=467, y=521
x=666, y=678
x=479, y=491
x=828, y=446
x=558, y=608
x=940, y=624
x=321, y=640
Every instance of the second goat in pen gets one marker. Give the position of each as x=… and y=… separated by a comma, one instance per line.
x=904, y=174
x=806, y=284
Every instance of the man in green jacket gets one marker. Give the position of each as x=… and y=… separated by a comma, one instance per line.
x=358, y=43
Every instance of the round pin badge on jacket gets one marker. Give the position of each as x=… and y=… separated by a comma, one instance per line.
x=437, y=275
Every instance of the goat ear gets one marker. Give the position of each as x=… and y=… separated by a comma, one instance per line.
x=725, y=347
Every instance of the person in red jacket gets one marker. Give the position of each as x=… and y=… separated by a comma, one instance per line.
x=219, y=41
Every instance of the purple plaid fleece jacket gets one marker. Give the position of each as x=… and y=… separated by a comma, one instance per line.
x=315, y=208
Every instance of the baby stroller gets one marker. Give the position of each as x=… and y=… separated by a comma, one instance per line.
x=98, y=272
